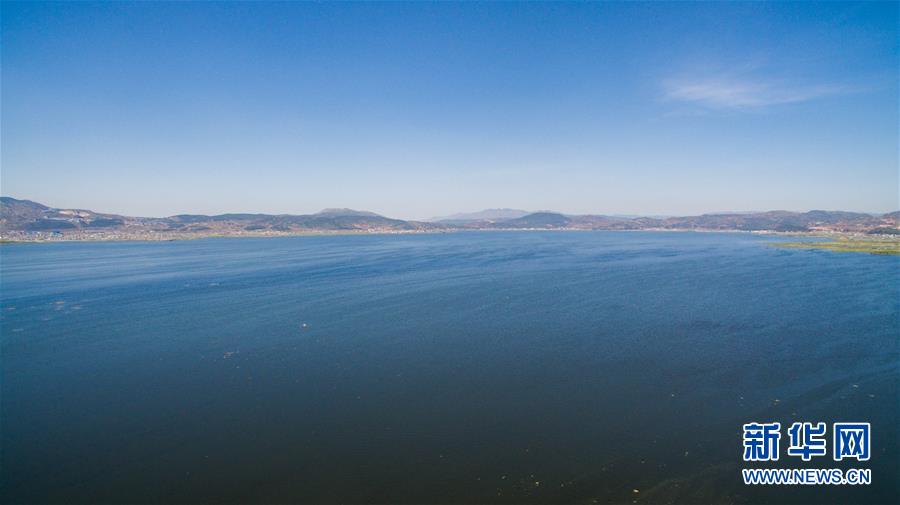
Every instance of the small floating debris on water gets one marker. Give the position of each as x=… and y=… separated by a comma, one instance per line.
x=871, y=395
x=59, y=302
x=229, y=354
x=213, y=283
x=856, y=386
x=304, y=326
x=635, y=491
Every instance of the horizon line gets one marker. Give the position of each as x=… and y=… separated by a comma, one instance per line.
x=632, y=215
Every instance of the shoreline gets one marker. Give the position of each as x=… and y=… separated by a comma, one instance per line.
x=832, y=235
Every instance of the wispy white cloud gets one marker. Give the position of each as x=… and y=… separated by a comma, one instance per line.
x=744, y=93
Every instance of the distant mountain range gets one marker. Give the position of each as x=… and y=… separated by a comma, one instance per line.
x=488, y=215
x=24, y=219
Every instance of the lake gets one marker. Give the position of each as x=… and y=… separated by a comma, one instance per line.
x=503, y=367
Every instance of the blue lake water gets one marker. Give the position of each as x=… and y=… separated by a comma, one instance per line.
x=508, y=367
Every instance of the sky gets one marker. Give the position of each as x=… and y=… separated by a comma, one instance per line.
x=416, y=110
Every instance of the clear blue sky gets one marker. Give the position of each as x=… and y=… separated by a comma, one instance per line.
x=418, y=110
